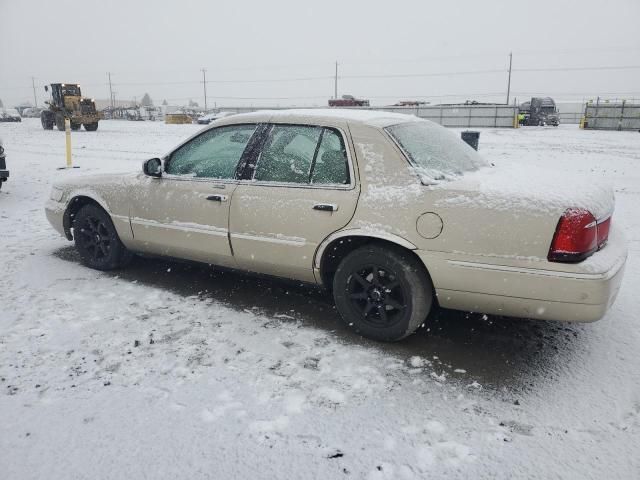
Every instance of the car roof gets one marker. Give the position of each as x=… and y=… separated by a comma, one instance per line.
x=329, y=116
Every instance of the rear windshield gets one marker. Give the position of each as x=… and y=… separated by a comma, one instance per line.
x=437, y=153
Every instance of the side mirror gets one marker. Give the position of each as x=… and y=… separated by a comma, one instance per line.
x=46, y=88
x=152, y=167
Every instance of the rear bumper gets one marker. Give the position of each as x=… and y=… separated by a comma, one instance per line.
x=581, y=293
x=496, y=304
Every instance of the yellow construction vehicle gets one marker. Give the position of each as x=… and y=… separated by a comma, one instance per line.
x=67, y=102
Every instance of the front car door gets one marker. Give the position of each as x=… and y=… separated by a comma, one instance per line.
x=298, y=189
x=185, y=212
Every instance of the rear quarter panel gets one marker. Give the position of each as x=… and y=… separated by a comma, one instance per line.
x=495, y=229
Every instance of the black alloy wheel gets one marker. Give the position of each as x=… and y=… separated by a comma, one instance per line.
x=377, y=294
x=382, y=292
x=97, y=241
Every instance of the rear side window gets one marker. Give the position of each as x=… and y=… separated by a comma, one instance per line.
x=435, y=152
x=303, y=154
x=331, y=165
x=288, y=154
x=214, y=154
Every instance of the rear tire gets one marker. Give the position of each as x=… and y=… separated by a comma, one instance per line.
x=75, y=126
x=97, y=241
x=383, y=293
x=91, y=127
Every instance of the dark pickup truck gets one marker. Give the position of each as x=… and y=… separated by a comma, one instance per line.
x=4, y=173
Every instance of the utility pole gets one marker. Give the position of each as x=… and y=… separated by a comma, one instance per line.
x=35, y=99
x=110, y=91
x=204, y=86
x=335, y=83
x=509, y=81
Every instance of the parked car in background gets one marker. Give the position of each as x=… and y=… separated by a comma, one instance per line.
x=212, y=117
x=10, y=115
x=4, y=173
x=32, y=112
x=393, y=214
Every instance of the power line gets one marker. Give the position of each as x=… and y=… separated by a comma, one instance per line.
x=430, y=74
x=363, y=76
x=532, y=92
x=578, y=69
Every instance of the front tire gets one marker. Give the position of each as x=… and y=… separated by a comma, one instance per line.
x=383, y=293
x=97, y=241
x=91, y=127
x=46, y=118
x=60, y=122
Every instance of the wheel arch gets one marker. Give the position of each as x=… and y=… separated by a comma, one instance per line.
x=335, y=247
x=74, y=205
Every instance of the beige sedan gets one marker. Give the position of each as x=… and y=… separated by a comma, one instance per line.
x=393, y=214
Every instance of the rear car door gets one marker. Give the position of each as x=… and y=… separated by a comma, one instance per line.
x=185, y=212
x=297, y=189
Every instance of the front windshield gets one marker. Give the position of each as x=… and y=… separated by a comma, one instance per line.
x=437, y=153
x=71, y=90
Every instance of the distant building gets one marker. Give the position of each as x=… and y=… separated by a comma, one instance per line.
x=348, y=101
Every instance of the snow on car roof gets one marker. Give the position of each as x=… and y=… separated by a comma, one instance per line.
x=371, y=117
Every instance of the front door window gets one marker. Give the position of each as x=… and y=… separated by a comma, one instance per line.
x=214, y=154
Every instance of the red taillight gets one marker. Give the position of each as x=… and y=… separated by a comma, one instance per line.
x=576, y=236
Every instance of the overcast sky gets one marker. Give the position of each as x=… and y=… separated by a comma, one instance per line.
x=283, y=52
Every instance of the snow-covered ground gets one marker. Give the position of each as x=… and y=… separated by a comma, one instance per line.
x=167, y=370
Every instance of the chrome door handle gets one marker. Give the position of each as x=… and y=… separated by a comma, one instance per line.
x=217, y=198
x=326, y=207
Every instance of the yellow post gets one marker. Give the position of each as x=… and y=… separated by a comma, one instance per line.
x=67, y=134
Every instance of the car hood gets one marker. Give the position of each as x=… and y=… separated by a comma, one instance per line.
x=531, y=190
x=95, y=179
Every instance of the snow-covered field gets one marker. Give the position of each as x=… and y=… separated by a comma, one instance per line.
x=167, y=370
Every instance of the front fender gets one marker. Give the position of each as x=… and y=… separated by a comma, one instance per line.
x=115, y=205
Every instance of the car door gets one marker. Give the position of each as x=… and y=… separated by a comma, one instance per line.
x=298, y=189
x=185, y=212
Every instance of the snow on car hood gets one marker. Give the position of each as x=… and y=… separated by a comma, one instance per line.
x=94, y=179
x=529, y=189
